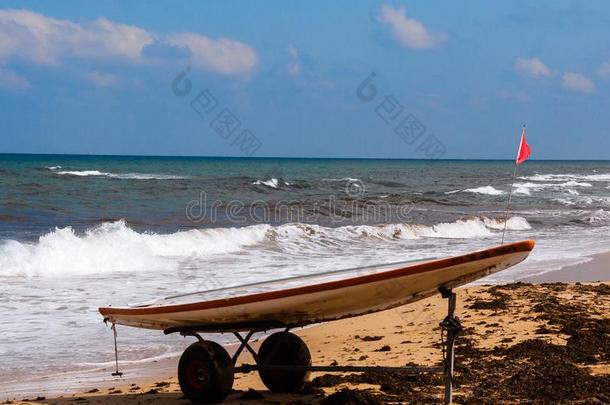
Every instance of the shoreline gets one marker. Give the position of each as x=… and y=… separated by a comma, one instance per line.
x=328, y=342
x=594, y=270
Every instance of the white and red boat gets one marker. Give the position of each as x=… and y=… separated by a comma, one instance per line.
x=283, y=361
x=375, y=289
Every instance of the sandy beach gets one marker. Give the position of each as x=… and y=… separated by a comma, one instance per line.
x=521, y=342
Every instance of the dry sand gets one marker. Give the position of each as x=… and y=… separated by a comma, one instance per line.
x=521, y=343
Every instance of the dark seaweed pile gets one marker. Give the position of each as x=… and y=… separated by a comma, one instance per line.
x=532, y=371
x=535, y=370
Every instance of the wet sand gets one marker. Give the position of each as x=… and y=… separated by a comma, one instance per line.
x=597, y=269
x=521, y=342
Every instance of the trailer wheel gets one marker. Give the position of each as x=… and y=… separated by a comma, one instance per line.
x=284, y=349
x=205, y=372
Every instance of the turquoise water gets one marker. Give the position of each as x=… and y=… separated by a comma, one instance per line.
x=78, y=232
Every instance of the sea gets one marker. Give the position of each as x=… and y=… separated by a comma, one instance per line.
x=80, y=232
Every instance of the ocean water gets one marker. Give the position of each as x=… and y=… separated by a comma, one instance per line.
x=79, y=232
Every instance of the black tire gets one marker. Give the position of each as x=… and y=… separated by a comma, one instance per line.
x=283, y=349
x=205, y=373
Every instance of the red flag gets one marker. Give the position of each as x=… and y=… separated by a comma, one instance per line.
x=524, y=149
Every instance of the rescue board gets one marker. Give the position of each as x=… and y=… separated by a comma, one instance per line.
x=380, y=288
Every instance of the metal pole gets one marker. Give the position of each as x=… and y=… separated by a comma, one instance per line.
x=116, y=373
x=452, y=331
x=510, y=195
x=512, y=184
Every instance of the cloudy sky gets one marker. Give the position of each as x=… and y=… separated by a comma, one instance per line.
x=307, y=79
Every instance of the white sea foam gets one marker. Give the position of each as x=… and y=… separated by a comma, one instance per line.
x=272, y=183
x=114, y=247
x=472, y=228
x=126, y=176
x=341, y=179
x=522, y=189
x=528, y=187
x=83, y=173
x=54, y=167
x=147, y=176
x=565, y=201
x=598, y=217
x=573, y=183
x=567, y=177
x=458, y=230
x=575, y=199
x=461, y=229
x=488, y=190
x=570, y=183
x=513, y=224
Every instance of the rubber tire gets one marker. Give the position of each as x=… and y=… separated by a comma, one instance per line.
x=205, y=373
x=284, y=349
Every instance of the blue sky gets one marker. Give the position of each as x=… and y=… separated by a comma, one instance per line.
x=97, y=78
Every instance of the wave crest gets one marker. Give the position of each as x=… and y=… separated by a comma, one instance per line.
x=567, y=177
x=124, y=176
x=271, y=183
x=114, y=247
x=488, y=190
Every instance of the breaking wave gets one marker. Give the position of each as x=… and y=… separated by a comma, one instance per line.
x=271, y=183
x=599, y=217
x=527, y=188
x=125, y=176
x=488, y=190
x=114, y=247
x=83, y=173
x=567, y=177
x=584, y=201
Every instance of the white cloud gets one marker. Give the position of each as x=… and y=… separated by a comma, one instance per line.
x=293, y=51
x=222, y=55
x=101, y=79
x=294, y=66
x=533, y=67
x=408, y=31
x=604, y=71
x=44, y=40
x=13, y=81
x=577, y=82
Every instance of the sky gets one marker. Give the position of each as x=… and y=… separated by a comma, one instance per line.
x=306, y=79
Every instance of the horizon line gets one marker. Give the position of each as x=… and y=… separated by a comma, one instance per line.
x=290, y=157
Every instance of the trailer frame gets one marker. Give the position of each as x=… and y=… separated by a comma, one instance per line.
x=450, y=326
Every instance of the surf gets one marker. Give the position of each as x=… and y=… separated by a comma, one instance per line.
x=113, y=247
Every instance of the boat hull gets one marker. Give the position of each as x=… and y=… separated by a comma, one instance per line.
x=327, y=301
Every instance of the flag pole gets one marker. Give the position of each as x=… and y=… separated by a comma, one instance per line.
x=510, y=194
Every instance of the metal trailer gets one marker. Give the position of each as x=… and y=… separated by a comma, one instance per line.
x=283, y=361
